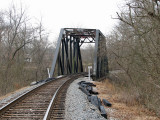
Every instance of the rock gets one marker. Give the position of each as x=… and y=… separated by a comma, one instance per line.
x=33, y=83
x=106, y=103
x=103, y=111
x=77, y=105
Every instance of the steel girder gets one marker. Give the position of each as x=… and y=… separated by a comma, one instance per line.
x=68, y=54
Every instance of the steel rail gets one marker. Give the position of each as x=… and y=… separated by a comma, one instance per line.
x=21, y=97
x=55, y=96
x=51, y=103
x=13, y=106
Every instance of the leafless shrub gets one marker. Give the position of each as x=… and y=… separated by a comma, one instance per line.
x=24, y=50
x=134, y=47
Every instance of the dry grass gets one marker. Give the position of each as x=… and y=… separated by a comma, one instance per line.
x=9, y=94
x=124, y=106
x=18, y=77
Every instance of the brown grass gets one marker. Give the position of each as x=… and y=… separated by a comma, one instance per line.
x=9, y=94
x=17, y=86
x=124, y=106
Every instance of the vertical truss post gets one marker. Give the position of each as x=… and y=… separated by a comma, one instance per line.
x=77, y=45
x=80, y=58
x=71, y=54
x=60, y=69
x=74, y=56
x=58, y=64
x=95, y=53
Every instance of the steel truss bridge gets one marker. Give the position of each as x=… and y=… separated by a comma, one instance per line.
x=67, y=58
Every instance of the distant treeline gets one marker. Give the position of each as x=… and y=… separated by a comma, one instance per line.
x=25, y=52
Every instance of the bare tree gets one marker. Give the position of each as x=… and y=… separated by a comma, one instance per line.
x=134, y=45
x=22, y=50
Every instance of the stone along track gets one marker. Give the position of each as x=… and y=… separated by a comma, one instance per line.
x=44, y=102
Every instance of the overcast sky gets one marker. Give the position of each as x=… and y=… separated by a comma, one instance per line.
x=56, y=14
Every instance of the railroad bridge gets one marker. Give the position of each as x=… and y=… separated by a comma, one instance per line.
x=67, y=58
x=47, y=101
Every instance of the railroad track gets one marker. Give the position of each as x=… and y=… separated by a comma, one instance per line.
x=44, y=102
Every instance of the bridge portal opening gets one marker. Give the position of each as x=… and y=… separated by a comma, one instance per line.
x=68, y=58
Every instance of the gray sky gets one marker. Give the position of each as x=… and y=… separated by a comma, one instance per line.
x=56, y=14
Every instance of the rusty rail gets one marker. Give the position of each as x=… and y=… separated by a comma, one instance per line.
x=40, y=103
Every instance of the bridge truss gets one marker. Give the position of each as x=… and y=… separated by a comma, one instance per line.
x=67, y=58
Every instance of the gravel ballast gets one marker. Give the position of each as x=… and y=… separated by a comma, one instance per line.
x=12, y=96
x=77, y=105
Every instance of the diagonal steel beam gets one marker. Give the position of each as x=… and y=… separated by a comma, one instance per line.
x=56, y=52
